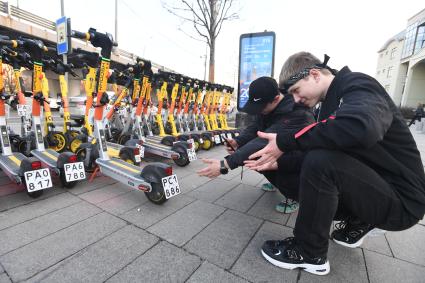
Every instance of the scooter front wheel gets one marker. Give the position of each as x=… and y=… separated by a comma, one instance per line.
x=57, y=142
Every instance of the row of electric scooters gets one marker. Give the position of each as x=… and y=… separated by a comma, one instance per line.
x=114, y=134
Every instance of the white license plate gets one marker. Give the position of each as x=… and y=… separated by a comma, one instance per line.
x=74, y=171
x=22, y=110
x=191, y=154
x=141, y=154
x=171, y=186
x=201, y=140
x=38, y=180
x=192, y=142
x=217, y=139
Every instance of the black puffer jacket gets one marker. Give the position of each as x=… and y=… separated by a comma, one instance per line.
x=359, y=118
x=287, y=117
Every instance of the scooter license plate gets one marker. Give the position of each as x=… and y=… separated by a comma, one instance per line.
x=171, y=186
x=74, y=171
x=217, y=139
x=191, y=154
x=38, y=180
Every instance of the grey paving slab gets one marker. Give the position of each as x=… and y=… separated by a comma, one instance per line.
x=4, y=278
x=382, y=268
x=1, y=269
x=265, y=208
x=123, y=203
x=22, y=198
x=181, y=226
x=347, y=265
x=208, y=272
x=27, y=261
x=105, y=193
x=103, y=259
x=162, y=263
x=35, y=209
x=87, y=186
x=148, y=214
x=422, y=222
x=250, y=177
x=192, y=182
x=292, y=219
x=213, y=190
x=240, y=198
x=37, y=228
x=377, y=244
x=408, y=245
x=252, y=266
x=223, y=240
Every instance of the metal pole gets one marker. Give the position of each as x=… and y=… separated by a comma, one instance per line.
x=205, y=62
x=65, y=57
x=116, y=21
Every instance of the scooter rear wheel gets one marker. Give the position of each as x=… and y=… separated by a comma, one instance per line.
x=64, y=182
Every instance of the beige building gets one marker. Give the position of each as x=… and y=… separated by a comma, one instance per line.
x=401, y=63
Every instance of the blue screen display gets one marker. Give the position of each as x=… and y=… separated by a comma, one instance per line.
x=256, y=60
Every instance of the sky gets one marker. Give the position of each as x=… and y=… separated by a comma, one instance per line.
x=350, y=32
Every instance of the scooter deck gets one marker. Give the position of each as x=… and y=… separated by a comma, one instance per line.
x=10, y=164
x=47, y=156
x=123, y=172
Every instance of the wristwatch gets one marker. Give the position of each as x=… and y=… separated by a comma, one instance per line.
x=223, y=169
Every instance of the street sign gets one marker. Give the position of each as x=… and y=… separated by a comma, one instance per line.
x=256, y=59
x=62, y=38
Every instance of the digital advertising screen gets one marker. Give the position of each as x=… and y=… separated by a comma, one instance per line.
x=256, y=59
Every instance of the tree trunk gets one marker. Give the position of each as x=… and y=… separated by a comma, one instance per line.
x=212, y=61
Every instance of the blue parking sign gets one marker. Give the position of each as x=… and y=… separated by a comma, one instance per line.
x=62, y=39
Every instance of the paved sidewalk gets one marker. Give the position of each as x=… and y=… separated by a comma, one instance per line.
x=212, y=232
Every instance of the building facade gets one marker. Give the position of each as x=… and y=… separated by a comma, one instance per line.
x=401, y=63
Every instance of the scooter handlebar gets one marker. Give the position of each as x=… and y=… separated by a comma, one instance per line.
x=80, y=35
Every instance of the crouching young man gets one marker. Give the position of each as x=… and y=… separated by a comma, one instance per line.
x=273, y=113
x=362, y=164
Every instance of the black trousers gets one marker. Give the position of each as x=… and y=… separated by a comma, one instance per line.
x=333, y=186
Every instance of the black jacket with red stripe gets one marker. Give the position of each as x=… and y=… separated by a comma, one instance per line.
x=359, y=118
x=287, y=118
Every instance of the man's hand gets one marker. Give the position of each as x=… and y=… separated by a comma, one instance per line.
x=212, y=170
x=233, y=144
x=271, y=166
x=269, y=154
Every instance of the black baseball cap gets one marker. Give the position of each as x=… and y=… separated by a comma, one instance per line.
x=261, y=91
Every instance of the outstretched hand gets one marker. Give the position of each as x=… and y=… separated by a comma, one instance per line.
x=269, y=154
x=212, y=170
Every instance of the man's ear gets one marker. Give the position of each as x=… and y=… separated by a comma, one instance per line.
x=315, y=74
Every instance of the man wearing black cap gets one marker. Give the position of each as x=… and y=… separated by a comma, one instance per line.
x=273, y=113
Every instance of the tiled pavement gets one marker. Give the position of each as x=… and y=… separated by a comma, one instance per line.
x=212, y=232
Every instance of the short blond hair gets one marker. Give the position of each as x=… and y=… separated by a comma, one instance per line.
x=296, y=63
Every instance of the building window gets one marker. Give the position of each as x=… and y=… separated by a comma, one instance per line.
x=420, y=38
x=409, y=41
x=390, y=72
x=386, y=53
x=383, y=71
x=393, y=52
x=380, y=55
x=378, y=72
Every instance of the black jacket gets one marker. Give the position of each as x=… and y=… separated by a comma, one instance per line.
x=287, y=117
x=359, y=118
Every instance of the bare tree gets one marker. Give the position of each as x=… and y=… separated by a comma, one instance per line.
x=207, y=17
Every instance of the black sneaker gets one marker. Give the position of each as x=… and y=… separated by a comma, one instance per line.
x=351, y=233
x=286, y=254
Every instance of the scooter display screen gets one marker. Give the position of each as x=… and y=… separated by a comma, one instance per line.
x=4, y=136
x=256, y=59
